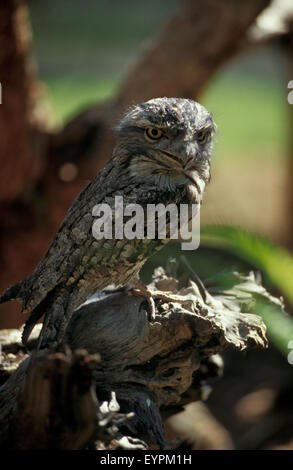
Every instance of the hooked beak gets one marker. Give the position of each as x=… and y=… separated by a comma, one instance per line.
x=182, y=164
x=173, y=157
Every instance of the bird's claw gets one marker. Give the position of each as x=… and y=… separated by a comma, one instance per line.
x=140, y=289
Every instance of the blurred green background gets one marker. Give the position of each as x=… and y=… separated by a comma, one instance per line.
x=83, y=50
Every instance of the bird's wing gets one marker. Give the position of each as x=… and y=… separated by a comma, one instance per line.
x=67, y=247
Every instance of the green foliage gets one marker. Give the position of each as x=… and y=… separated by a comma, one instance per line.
x=274, y=262
x=279, y=325
x=276, y=266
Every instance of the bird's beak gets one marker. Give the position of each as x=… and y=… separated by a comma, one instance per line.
x=185, y=166
x=183, y=159
x=177, y=161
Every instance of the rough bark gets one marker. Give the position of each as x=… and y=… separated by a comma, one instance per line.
x=134, y=374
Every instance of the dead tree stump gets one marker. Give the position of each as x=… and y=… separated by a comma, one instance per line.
x=118, y=375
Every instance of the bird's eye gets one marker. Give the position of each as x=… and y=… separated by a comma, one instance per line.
x=153, y=133
x=201, y=135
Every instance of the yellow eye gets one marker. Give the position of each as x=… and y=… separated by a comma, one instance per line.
x=201, y=135
x=154, y=133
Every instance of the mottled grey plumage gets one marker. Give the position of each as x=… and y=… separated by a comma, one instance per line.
x=171, y=169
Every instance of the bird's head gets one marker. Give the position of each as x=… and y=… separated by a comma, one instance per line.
x=167, y=142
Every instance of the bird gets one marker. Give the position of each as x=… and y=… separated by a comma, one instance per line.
x=162, y=154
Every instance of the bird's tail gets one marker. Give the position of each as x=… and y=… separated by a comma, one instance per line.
x=45, y=307
x=34, y=317
x=18, y=292
x=13, y=292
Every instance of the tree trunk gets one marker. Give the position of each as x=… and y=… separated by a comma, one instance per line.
x=19, y=110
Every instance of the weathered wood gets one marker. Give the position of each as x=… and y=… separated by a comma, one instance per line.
x=154, y=368
x=50, y=403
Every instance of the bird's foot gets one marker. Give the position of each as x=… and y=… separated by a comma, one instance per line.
x=140, y=289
